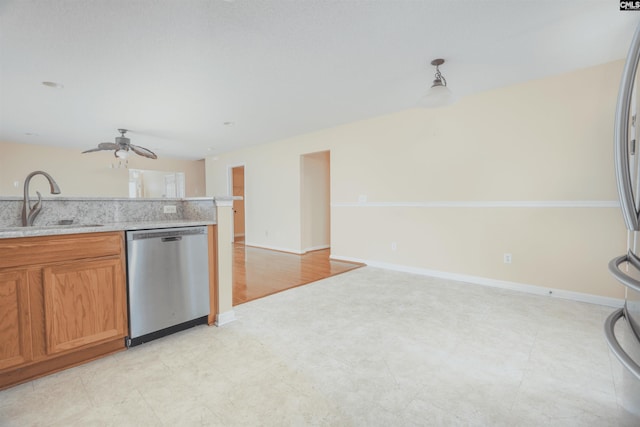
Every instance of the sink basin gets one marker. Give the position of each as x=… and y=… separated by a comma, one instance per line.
x=71, y=225
x=16, y=228
x=48, y=227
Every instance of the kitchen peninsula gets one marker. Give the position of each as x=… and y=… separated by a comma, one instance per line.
x=63, y=297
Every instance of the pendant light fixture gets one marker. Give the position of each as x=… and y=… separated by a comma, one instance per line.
x=438, y=94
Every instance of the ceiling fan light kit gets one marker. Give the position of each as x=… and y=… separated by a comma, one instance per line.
x=438, y=95
x=122, y=154
x=122, y=146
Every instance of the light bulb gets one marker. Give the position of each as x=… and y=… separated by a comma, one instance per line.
x=122, y=154
x=437, y=96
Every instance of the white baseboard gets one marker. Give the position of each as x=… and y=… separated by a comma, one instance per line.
x=273, y=248
x=502, y=284
x=291, y=251
x=226, y=317
x=316, y=248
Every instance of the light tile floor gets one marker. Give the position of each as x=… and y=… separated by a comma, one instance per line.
x=366, y=348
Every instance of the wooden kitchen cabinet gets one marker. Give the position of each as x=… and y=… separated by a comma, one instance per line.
x=82, y=303
x=15, y=326
x=62, y=302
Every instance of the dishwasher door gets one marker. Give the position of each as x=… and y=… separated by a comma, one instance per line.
x=168, y=281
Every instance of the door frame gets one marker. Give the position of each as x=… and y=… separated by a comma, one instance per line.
x=303, y=191
x=230, y=168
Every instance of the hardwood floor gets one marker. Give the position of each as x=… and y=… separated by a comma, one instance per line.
x=260, y=272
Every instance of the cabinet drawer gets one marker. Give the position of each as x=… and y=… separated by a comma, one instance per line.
x=46, y=249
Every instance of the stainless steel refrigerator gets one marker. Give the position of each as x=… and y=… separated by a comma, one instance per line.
x=622, y=328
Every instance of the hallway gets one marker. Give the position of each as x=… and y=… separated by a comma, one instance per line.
x=260, y=272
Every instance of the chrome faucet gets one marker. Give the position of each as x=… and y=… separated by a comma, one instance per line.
x=29, y=217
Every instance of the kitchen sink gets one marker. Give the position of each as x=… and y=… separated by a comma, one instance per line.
x=71, y=225
x=48, y=227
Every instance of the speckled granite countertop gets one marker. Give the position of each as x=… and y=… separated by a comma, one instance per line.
x=52, y=230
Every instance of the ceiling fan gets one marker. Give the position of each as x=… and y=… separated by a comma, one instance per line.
x=122, y=146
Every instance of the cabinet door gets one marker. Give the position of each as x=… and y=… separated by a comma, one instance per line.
x=15, y=328
x=84, y=303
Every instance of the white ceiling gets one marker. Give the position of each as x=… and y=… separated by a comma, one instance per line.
x=173, y=71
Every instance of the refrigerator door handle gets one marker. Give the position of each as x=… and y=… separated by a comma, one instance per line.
x=621, y=136
x=614, y=268
x=633, y=260
x=615, y=346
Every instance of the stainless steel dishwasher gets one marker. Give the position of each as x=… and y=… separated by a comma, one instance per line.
x=168, y=281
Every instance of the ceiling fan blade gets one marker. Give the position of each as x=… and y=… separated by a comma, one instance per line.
x=141, y=151
x=108, y=146
x=102, y=146
x=92, y=150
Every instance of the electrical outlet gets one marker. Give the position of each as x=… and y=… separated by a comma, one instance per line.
x=507, y=258
x=362, y=198
x=169, y=209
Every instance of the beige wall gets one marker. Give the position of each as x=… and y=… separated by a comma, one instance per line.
x=87, y=175
x=432, y=177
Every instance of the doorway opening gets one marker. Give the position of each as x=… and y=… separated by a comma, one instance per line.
x=237, y=189
x=315, y=201
x=259, y=271
x=159, y=184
